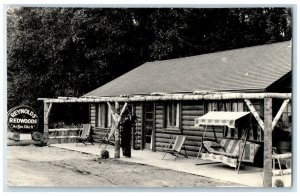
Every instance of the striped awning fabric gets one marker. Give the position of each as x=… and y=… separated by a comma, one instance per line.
x=220, y=118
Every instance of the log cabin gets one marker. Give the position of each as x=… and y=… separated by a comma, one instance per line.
x=167, y=96
x=258, y=69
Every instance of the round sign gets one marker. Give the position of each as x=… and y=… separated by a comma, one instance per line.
x=22, y=119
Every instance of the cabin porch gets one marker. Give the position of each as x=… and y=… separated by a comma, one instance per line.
x=248, y=176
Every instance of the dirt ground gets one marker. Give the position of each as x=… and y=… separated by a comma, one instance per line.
x=54, y=167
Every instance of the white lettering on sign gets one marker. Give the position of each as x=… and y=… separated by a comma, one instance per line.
x=22, y=118
x=23, y=111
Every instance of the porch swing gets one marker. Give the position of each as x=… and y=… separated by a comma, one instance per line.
x=228, y=151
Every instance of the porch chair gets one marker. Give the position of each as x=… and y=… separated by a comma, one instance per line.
x=107, y=137
x=174, y=149
x=85, y=135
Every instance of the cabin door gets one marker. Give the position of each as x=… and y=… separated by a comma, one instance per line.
x=147, y=125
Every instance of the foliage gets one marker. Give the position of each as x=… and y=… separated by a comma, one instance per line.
x=70, y=51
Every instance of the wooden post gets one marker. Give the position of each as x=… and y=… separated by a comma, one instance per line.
x=153, y=130
x=267, y=182
x=117, y=133
x=47, y=108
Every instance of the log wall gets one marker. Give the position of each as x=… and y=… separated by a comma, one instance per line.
x=138, y=128
x=190, y=111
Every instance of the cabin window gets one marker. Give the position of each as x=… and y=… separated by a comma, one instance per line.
x=103, y=116
x=234, y=106
x=172, y=114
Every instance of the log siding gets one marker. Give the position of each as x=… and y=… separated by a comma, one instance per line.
x=189, y=110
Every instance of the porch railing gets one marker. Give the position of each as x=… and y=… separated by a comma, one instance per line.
x=63, y=135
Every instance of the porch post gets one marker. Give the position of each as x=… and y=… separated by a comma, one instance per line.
x=267, y=181
x=47, y=108
x=117, y=133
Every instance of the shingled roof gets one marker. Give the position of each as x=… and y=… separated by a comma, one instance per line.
x=252, y=68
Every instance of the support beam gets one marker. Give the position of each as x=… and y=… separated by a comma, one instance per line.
x=47, y=108
x=170, y=97
x=116, y=125
x=255, y=114
x=279, y=113
x=117, y=132
x=267, y=181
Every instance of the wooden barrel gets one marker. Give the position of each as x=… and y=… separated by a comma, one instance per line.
x=13, y=136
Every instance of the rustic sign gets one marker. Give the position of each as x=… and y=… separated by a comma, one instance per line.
x=22, y=119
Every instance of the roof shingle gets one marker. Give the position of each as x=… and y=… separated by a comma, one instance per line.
x=252, y=68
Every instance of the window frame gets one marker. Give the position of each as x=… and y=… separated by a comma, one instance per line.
x=177, y=115
x=99, y=118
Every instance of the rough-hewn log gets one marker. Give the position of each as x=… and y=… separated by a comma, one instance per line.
x=64, y=129
x=255, y=114
x=159, y=112
x=192, y=107
x=279, y=113
x=267, y=181
x=159, y=121
x=158, y=116
x=191, y=118
x=195, y=128
x=170, y=97
x=115, y=126
x=62, y=136
x=192, y=112
x=188, y=122
x=13, y=136
x=37, y=136
x=46, y=126
x=23, y=143
x=49, y=109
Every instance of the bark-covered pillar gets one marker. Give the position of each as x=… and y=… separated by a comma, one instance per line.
x=267, y=142
x=117, y=133
x=47, y=108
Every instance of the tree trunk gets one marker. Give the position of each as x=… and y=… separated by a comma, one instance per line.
x=117, y=133
x=268, y=142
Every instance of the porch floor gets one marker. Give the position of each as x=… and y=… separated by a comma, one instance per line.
x=247, y=176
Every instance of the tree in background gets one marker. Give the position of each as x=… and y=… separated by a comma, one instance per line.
x=70, y=51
